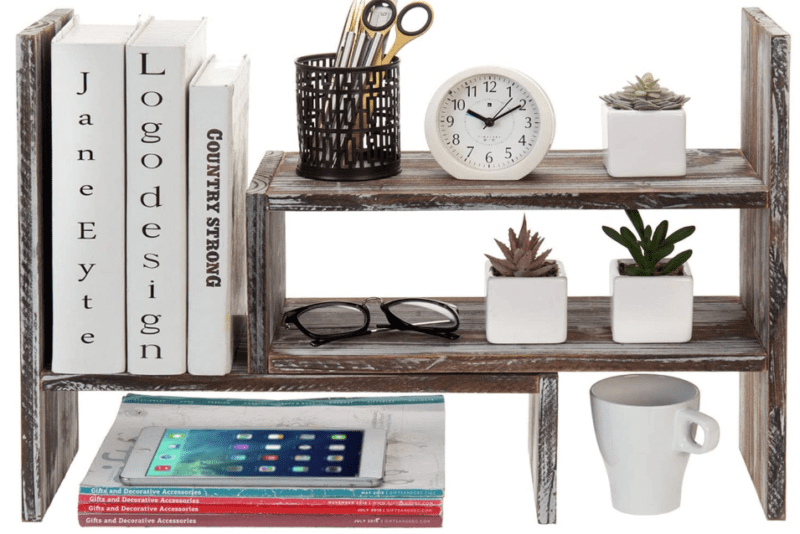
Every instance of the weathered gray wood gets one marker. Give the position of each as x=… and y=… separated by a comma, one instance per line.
x=564, y=180
x=241, y=381
x=266, y=257
x=543, y=447
x=764, y=254
x=49, y=419
x=723, y=340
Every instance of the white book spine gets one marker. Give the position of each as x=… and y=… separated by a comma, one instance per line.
x=157, y=95
x=88, y=205
x=218, y=120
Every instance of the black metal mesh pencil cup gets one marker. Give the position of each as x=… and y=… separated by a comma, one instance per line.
x=348, y=120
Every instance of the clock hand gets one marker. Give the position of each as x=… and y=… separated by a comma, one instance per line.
x=490, y=122
x=486, y=122
x=507, y=112
x=501, y=109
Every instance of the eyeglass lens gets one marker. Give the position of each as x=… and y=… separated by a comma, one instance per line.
x=333, y=319
x=425, y=314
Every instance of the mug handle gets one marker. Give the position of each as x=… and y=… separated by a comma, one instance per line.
x=685, y=442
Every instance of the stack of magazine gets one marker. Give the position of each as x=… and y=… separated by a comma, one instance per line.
x=410, y=494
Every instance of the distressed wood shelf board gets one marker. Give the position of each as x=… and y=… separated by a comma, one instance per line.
x=239, y=380
x=723, y=340
x=721, y=178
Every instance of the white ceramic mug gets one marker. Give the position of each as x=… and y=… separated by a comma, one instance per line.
x=645, y=426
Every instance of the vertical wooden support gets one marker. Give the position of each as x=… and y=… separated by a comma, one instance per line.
x=543, y=446
x=266, y=271
x=49, y=418
x=764, y=247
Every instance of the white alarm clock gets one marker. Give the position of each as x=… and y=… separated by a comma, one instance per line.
x=489, y=123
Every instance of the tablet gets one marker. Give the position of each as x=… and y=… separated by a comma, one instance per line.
x=256, y=457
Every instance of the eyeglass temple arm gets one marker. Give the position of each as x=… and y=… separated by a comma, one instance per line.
x=446, y=335
x=318, y=342
x=425, y=323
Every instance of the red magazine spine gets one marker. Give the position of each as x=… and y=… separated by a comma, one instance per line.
x=256, y=520
x=173, y=509
x=247, y=501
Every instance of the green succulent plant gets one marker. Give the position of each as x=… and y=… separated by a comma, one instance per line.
x=652, y=247
x=645, y=95
x=521, y=256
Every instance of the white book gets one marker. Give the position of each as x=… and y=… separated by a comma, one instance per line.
x=161, y=60
x=88, y=198
x=218, y=119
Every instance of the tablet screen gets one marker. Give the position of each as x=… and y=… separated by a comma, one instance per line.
x=257, y=453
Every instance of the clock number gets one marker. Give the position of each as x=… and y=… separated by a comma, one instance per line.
x=528, y=122
x=522, y=104
x=450, y=120
x=509, y=91
x=472, y=90
x=489, y=157
x=508, y=152
x=490, y=86
x=456, y=139
x=522, y=141
x=459, y=105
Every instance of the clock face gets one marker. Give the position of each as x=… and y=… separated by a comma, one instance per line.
x=489, y=123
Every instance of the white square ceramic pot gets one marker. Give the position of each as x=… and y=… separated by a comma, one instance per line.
x=651, y=309
x=644, y=143
x=526, y=310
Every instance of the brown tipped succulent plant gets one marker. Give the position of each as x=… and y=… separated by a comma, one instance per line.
x=645, y=95
x=521, y=256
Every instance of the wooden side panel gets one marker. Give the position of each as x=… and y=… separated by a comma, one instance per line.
x=543, y=447
x=49, y=419
x=266, y=259
x=764, y=253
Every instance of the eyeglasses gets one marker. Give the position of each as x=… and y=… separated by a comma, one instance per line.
x=330, y=321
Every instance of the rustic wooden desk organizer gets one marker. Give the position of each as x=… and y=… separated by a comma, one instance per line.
x=745, y=333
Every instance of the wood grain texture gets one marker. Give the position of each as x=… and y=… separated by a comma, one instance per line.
x=764, y=254
x=723, y=340
x=564, y=180
x=49, y=419
x=543, y=447
x=266, y=258
x=241, y=380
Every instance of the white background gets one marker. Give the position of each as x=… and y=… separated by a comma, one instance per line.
x=576, y=51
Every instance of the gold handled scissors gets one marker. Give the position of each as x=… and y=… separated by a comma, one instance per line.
x=402, y=36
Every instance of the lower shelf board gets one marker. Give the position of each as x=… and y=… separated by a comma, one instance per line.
x=239, y=380
x=723, y=340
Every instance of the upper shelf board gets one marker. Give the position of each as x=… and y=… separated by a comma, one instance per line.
x=718, y=178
